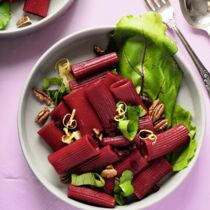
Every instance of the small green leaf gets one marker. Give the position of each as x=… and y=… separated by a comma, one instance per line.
x=127, y=188
x=45, y=83
x=92, y=179
x=5, y=14
x=126, y=176
x=57, y=94
x=67, y=90
x=186, y=156
x=129, y=127
x=119, y=199
x=51, y=81
x=123, y=187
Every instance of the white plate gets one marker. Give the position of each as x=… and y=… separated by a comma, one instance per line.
x=55, y=9
x=77, y=47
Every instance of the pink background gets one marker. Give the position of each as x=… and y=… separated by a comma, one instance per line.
x=19, y=188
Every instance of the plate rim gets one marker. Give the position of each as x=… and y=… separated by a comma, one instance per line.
x=37, y=25
x=78, y=204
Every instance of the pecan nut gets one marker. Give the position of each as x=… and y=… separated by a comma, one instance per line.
x=42, y=97
x=98, y=51
x=42, y=116
x=156, y=110
x=161, y=125
x=154, y=104
x=65, y=178
x=109, y=172
x=23, y=21
x=97, y=134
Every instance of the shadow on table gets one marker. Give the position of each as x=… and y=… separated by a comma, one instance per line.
x=33, y=45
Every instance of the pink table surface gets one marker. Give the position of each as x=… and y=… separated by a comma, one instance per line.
x=19, y=188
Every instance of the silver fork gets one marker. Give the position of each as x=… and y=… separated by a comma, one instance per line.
x=164, y=8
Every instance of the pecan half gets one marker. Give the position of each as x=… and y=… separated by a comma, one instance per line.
x=98, y=50
x=156, y=110
x=23, y=21
x=65, y=178
x=161, y=125
x=42, y=116
x=154, y=104
x=97, y=134
x=109, y=172
x=42, y=97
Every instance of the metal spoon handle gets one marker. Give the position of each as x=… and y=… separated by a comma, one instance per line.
x=201, y=68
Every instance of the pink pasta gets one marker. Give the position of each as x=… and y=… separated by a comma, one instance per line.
x=111, y=78
x=38, y=7
x=165, y=143
x=102, y=102
x=59, y=112
x=145, y=122
x=124, y=90
x=91, y=196
x=109, y=185
x=86, y=118
x=116, y=141
x=145, y=180
x=52, y=135
x=74, y=154
x=87, y=81
x=106, y=157
x=134, y=162
x=95, y=65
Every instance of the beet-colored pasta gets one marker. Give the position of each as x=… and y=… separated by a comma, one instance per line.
x=87, y=81
x=52, y=135
x=124, y=90
x=109, y=185
x=59, y=112
x=95, y=65
x=91, y=196
x=145, y=122
x=145, y=180
x=74, y=154
x=38, y=7
x=166, y=142
x=111, y=78
x=122, y=153
x=134, y=162
x=103, y=103
x=86, y=118
x=116, y=141
x=106, y=157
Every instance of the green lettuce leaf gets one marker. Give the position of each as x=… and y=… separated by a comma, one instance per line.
x=185, y=157
x=181, y=158
x=181, y=116
x=55, y=94
x=129, y=127
x=123, y=187
x=92, y=179
x=5, y=14
x=145, y=54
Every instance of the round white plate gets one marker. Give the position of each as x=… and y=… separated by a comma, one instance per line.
x=77, y=47
x=56, y=8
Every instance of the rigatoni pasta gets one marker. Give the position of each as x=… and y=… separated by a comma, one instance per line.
x=111, y=144
x=74, y=154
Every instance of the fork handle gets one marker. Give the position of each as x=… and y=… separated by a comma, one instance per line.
x=201, y=68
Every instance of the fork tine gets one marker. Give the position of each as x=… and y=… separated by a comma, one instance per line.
x=149, y=5
x=156, y=3
x=163, y=1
